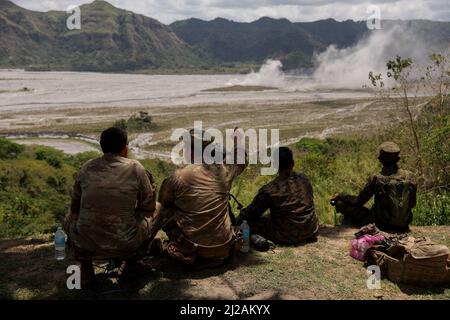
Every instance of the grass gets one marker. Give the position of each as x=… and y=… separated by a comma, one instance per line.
x=321, y=270
x=40, y=180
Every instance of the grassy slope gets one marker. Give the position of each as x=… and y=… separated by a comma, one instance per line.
x=321, y=270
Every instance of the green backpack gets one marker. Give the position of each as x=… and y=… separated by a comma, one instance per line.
x=397, y=193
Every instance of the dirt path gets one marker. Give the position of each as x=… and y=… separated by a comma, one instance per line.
x=321, y=270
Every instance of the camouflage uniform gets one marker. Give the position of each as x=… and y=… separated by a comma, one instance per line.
x=292, y=218
x=197, y=196
x=353, y=206
x=113, y=208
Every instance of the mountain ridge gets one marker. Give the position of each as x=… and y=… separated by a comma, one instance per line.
x=117, y=40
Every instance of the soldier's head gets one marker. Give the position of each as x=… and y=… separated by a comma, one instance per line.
x=285, y=161
x=388, y=153
x=114, y=140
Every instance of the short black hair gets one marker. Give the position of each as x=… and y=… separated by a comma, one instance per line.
x=286, y=158
x=113, y=140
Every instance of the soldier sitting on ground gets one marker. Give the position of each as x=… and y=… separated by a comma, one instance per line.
x=113, y=208
x=395, y=195
x=289, y=197
x=201, y=233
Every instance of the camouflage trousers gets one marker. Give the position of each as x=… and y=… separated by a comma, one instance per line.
x=181, y=249
x=354, y=215
x=265, y=228
x=84, y=249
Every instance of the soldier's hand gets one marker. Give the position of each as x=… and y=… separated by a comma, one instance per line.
x=335, y=197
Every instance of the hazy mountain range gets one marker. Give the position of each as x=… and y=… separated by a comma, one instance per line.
x=112, y=39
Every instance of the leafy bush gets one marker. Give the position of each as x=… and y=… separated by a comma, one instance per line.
x=141, y=121
x=53, y=157
x=10, y=150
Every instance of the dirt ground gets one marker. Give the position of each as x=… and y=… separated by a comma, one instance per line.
x=320, y=270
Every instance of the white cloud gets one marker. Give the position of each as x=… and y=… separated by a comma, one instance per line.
x=168, y=11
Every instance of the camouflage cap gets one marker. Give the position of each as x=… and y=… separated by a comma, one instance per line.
x=389, y=147
x=389, y=151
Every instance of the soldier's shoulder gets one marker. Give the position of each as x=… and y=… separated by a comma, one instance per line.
x=406, y=173
x=92, y=163
x=184, y=174
x=269, y=187
x=133, y=163
x=301, y=176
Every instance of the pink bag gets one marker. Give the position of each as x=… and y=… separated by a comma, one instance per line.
x=358, y=247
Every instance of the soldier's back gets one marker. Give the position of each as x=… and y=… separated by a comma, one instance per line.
x=202, y=203
x=395, y=196
x=109, y=186
x=292, y=208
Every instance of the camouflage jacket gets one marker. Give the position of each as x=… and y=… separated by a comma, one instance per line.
x=375, y=187
x=112, y=199
x=199, y=196
x=291, y=205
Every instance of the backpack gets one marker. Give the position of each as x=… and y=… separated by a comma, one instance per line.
x=397, y=197
x=413, y=261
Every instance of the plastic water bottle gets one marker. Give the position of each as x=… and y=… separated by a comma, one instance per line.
x=246, y=233
x=60, y=244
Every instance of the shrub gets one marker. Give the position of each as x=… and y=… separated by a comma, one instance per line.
x=141, y=121
x=53, y=157
x=10, y=150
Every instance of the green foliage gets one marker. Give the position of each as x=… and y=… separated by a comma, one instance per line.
x=35, y=189
x=159, y=169
x=136, y=123
x=432, y=209
x=10, y=150
x=53, y=157
x=313, y=145
x=397, y=66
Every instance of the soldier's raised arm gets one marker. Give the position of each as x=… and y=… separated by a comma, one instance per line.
x=235, y=168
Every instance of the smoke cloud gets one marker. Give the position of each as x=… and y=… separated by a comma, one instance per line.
x=346, y=68
x=269, y=75
x=349, y=67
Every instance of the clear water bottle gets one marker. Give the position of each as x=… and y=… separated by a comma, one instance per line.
x=246, y=233
x=60, y=244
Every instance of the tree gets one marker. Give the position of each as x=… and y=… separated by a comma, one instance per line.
x=403, y=92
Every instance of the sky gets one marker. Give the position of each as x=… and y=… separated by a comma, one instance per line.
x=168, y=11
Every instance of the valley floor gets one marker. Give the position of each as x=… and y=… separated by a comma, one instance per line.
x=321, y=270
